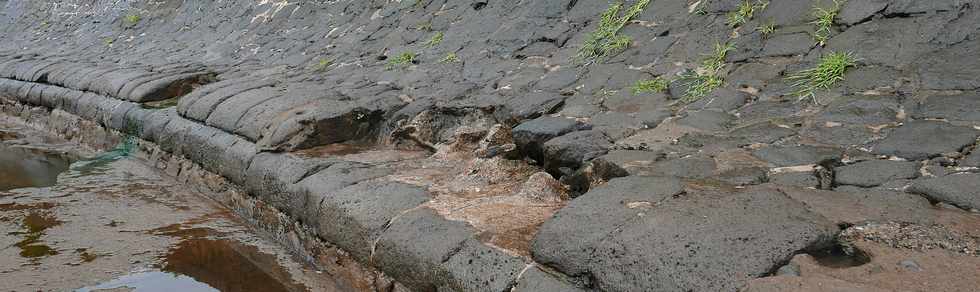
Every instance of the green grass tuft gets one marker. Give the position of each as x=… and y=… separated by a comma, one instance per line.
x=824, y=21
x=828, y=72
x=424, y=26
x=745, y=12
x=402, y=60
x=605, y=41
x=707, y=77
x=767, y=29
x=449, y=58
x=435, y=40
x=658, y=84
x=322, y=65
x=132, y=19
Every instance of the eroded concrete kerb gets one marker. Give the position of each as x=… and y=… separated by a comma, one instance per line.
x=336, y=214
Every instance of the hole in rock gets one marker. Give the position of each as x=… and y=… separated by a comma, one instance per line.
x=179, y=88
x=840, y=256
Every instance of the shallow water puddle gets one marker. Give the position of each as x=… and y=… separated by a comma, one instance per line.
x=209, y=265
x=22, y=167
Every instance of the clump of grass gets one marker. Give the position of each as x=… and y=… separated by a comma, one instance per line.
x=449, y=58
x=322, y=65
x=108, y=41
x=435, y=40
x=745, y=12
x=767, y=29
x=605, y=41
x=828, y=72
x=402, y=60
x=658, y=84
x=132, y=19
x=424, y=26
x=706, y=78
x=824, y=21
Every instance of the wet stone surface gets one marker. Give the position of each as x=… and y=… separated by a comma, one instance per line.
x=110, y=222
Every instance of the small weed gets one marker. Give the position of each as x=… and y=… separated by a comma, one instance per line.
x=419, y=4
x=605, y=41
x=658, y=84
x=132, y=19
x=322, y=65
x=424, y=26
x=402, y=60
x=108, y=41
x=828, y=72
x=450, y=58
x=767, y=29
x=716, y=60
x=824, y=20
x=708, y=77
x=435, y=40
x=745, y=12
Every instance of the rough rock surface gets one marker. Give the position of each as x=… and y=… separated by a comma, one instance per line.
x=365, y=114
x=700, y=241
x=956, y=189
x=919, y=140
x=875, y=172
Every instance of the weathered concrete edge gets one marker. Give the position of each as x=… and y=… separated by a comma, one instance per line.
x=403, y=249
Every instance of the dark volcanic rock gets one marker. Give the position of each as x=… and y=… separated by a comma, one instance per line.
x=603, y=207
x=529, y=136
x=863, y=205
x=876, y=172
x=972, y=160
x=957, y=189
x=964, y=107
x=707, y=120
x=353, y=217
x=414, y=246
x=764, y=132
x=858, y=10
x=688, y=167
x=918, y=140
x=861, y=110
x=569, y=151
x=945, y=69
x=798, y=155
x=642, y=238
x=536, y=280
x=806, y=179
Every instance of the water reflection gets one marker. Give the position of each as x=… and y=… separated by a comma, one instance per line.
x=155, y=281
x=200, y=264
x=22, y=167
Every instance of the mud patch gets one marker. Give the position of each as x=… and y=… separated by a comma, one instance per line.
x=34, y=224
